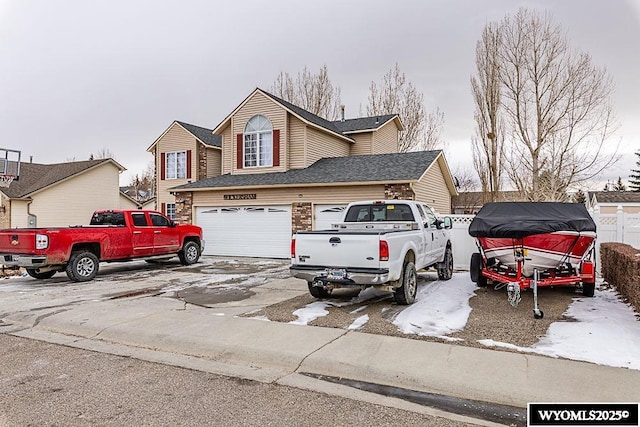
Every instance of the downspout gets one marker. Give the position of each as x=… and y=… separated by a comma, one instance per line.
x=32, y=220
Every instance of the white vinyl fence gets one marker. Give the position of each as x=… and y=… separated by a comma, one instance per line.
x=619, y=227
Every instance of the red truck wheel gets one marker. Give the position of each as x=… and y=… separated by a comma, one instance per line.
x=190, y=253
x=83, y=266
x=37, y=275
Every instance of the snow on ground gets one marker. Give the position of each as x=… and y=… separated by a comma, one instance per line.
x=440, y=308
x=606, y=330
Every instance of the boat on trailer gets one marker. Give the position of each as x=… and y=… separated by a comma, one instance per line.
x=527, y=245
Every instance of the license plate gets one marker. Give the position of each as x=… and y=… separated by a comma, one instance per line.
x=336, y=273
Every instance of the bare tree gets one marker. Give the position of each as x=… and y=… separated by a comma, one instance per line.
x=103, y=153
x=396, y=95
x=488, y=144
x=556, y=106
x=313, y=92
x=143, y=184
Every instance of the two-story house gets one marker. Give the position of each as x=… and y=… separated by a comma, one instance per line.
x=271, y=168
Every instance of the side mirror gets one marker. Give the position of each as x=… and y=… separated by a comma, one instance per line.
x=173, y=224
x=448, y=224
x=439, y=223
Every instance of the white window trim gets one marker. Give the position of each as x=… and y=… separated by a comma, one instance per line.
x=259, y=138
x=171, y=216
x=171, y=169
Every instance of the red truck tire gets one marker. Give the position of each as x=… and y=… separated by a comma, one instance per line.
x=83, y=266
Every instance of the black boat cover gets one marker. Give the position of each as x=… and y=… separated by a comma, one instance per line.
x=520, y=219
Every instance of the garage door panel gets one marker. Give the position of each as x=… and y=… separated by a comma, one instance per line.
x=325, y=215
x=255, y=231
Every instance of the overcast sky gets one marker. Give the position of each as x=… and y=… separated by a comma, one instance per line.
x=78, y=76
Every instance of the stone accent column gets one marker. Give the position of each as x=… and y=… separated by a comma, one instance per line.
x=5, y=213
x=398, y=191
x=301, y=216
x=202, y=162
x=184, y=207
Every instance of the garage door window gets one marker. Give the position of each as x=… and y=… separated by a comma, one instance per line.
x=258, y=142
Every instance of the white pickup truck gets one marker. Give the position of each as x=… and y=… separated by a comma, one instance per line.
x=379, y=243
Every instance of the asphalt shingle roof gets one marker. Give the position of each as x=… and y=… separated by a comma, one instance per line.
x=363, y=123
x=366, y=168
x=616, y=196
x=203, y=134
x=338, y=126
x=35, y=176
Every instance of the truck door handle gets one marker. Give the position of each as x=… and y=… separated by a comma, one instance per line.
x=335, y=240
x=137, y=232
x=157, y=232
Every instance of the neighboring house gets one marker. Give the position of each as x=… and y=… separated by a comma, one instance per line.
x=60, y=194
x=470, y=202
x=132, y=198
x=608, y=201
x=271, y=168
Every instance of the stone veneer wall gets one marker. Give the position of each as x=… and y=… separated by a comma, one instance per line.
x=5, y=213
x=398, y=191
x=301, y=216
x=202, y=162
x=184, y=207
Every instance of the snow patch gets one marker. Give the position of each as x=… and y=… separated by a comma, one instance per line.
x=359, y=322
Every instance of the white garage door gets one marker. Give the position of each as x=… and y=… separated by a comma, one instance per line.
x=256, y=231
x=325, y=215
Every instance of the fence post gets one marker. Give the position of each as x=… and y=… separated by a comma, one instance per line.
x=620, y=224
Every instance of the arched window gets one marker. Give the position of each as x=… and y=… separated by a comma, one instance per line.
x=258, y=142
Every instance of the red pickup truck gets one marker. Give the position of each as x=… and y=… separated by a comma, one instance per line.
x=113, y=235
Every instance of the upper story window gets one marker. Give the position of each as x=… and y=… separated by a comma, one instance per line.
x=176, y=166
x=258, y=142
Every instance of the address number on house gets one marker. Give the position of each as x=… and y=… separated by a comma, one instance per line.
x=250, y=196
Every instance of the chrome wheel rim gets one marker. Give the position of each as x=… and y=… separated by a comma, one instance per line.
x=85, y=267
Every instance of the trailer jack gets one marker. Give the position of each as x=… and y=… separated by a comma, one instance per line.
x=537, y=313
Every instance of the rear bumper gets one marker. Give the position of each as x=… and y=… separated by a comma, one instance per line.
x=27, y=261
x=354, y=276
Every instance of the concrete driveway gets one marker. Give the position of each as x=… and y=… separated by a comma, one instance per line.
x=194, y=317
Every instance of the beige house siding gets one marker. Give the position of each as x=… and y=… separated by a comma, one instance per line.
x=320, y=145
x=19, y=214
x=631, y=208
x=286, y=196
x=297, y=148
x=363, y=144
x=227, y=150
x=262, y=105
x=385, y=139
x=175, y=139
x=432, y=190
x=127, y=203
x=214, y=162
x=88, y=191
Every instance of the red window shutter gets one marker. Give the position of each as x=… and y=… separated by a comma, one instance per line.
x=163, y=166
x=163, y=208
x=188, y=164
x=240, y=151
x=276, y=147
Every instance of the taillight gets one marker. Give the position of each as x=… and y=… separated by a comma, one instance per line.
x=42, y=241
x=384, y=251
x=293, y=248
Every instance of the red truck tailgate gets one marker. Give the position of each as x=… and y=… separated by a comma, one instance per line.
x=22, y=241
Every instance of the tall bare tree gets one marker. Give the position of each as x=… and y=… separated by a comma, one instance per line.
x=396, y=95
x=143, y=183
x=313, y=92
x=488, y=143
x=556, y=107
x=103, y=153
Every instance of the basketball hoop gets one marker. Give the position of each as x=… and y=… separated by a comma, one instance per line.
x=6, y=180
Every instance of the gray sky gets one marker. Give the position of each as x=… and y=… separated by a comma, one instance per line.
x=79, y=76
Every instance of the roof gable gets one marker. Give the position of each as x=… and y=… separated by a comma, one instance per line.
x=35, y=177
x=206, y=136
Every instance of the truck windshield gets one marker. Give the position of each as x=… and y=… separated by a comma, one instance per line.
x=379, y=212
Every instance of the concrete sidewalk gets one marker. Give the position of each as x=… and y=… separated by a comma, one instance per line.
x=216, y=340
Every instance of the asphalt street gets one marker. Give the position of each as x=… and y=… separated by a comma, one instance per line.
x=44, y=384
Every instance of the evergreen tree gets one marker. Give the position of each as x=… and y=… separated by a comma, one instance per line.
x=619, y=185
x=634, y=178
x=580, y=197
